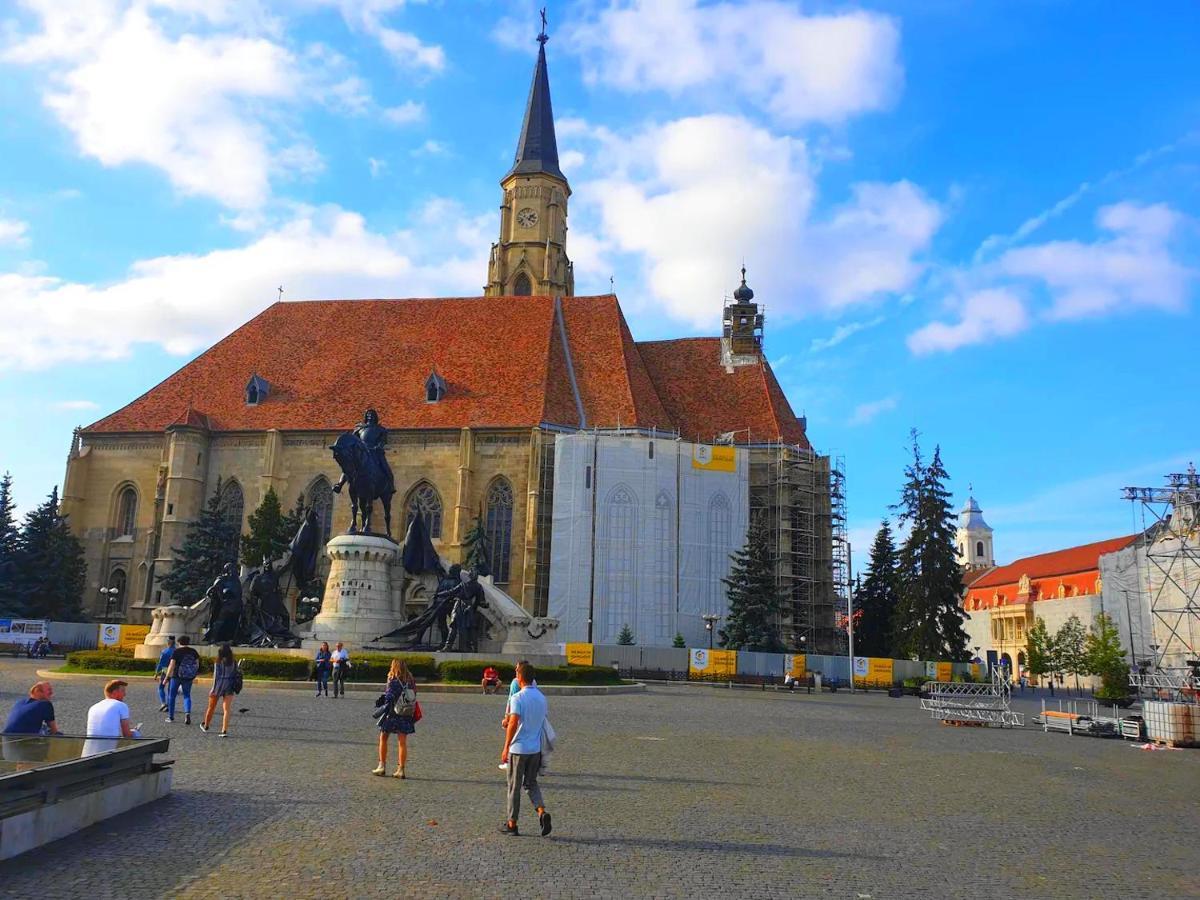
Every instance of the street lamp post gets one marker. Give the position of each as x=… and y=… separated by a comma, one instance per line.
x=709, y=621
x=110, y=599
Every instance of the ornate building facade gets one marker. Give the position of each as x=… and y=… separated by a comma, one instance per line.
x=474, y=392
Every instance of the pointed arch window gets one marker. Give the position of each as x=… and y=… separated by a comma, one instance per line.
x=720, y=536
x=617, y=563
x=127, y=512
x=425, y=501
x=320, y=498
x=116, y=601
x=522, y=286
x=664, y=568
x=232, y=505
x=497, y=527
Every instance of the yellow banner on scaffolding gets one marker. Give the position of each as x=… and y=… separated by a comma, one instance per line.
x=945, y=671
x=872, y=670
x=712, y=663
x=798, y=665
x=579, y=654
x=714, y=459
x=976, y=671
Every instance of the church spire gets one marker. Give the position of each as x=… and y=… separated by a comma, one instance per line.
x=537, y=148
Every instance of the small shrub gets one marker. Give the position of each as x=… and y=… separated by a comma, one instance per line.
x=110, y=660
x=577, y=675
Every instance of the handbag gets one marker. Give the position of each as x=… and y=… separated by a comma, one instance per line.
x=417, y=714
x=381, y=706
x=239, y=681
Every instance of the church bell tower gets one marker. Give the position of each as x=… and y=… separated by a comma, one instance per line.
x=531, y=256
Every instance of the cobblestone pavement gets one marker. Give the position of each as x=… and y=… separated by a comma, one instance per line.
x=678, y=792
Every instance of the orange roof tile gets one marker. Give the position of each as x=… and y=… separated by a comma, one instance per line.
x=502, y=358
x=704, y=400
x=1083, y=558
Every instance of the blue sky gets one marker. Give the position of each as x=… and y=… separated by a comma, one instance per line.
x=981, y=221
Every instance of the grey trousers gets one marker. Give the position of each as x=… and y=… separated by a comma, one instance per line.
x=523, y=772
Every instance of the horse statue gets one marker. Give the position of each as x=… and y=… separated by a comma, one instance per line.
x=365, y=470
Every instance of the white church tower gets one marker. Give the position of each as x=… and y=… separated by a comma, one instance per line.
x=974, y=538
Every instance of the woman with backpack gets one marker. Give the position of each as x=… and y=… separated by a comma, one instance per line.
x=181, y=672
x=225, y=685
x=324, y=666
x=400, y=713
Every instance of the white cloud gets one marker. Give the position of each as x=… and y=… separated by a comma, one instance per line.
x=797, y=67
x=76, y=404
x=183, y=303
x=13, y=233
x=406, y=49
x=1133, y=268
x=842, y=333
x=377, y=166
x=693, y=197
x=431, y=148
x=983, y=316
x=867, y=412
x=406, y=113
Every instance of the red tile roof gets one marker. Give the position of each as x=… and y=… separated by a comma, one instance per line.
x=502, y=358
x=704, y=400
x=1084, y=558
x=970, y=576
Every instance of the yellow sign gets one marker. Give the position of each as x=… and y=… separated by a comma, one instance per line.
x=712, y=662
x=579, y=654
x=975, y=667
x=133, y=636
x=714, y=459
x=945, y=671
x=798, y=666
x=872, y=670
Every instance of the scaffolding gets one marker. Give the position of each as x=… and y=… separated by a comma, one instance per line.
x=987, y=703
x=1171, y=576
x=793, y=490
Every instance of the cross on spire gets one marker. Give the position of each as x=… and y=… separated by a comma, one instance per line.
x=542, y=36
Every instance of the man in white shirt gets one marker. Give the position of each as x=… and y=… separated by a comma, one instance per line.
x=341, y=668
x=108, y=720
x=523, y=749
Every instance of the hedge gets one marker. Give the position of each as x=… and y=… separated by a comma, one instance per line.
x=470, y=671
x=112, y=660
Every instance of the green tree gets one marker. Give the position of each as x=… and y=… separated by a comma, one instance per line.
x=475, y=548
x=1106, y=658
x=9, y=540
x=50, y=569
x=1071, y=641
x=196, y=565
x=929, y=616
x=877, y=598
x=679, y=643
x=754, y=599
x=1043, y=654
x=625, y=638
x=269, y=535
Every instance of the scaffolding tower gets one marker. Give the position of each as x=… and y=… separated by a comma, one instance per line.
x=791, y=490
x=1171, y=577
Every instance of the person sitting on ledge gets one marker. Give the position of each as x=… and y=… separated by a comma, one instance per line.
x=491, y=680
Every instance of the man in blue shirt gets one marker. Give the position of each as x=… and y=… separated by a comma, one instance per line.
x=160, y=671
x=30, y=714
x=523, y=749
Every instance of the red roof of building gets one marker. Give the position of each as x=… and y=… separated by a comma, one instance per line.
x=704, y=400
x=503, y=360
x=1084, y=558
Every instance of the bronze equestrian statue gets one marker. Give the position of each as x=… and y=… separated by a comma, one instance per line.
x=360, y=454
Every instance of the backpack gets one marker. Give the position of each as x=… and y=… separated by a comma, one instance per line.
x=189, y=666
x=239, y=680
x=405, y=704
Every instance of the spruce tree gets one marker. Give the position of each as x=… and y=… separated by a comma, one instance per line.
x=51, y=572
x=205, y=551
x=9, y=540
x=625, y=637
x=929, y=618
x=876, y=597
x=475, y=548
x=754, y=599
x=269, y=536
x=679, y=643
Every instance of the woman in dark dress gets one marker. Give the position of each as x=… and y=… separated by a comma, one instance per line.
x=224, y=673
x=399, y=681
x=324, y=668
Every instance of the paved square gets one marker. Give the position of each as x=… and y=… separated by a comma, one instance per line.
x=679, y=792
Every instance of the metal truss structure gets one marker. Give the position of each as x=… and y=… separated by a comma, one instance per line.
x=1172, y=567
x=988, y=703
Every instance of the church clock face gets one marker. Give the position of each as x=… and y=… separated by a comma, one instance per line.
x=527, y=218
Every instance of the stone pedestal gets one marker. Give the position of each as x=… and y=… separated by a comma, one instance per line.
x=359, y=603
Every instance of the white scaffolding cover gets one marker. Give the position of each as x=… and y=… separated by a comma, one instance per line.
x=641, y=535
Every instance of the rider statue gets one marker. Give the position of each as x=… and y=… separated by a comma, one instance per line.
x=225, y=606
x=374, y=438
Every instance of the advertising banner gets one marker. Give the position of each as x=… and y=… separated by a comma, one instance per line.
x=21, y=631
x=945, y=671
x=976, y=671
x=714, y=459
x=132, y=636
x=580, y=654
x=710, y=663
x=872, y=670
x=797, y=665
x=110, y=635
x=931, y=670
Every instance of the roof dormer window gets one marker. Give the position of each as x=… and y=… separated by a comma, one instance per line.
x=257, y=390
x=435, y=388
